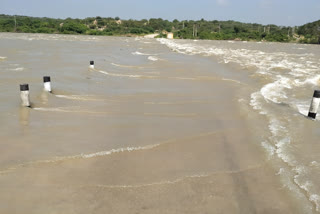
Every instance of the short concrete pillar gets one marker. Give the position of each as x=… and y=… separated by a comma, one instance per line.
x=314, y=104
x=24, y=94
x=47, y=83
x=91, y=65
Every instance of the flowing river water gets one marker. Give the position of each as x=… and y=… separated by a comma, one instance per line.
x=158, y=126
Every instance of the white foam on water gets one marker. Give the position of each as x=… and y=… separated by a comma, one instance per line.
x=281, y=171
x=315, y=80
x=120, y=150
x=282, y=146
x=301, y=188
x=125, y=75
x=112, y=151
x=80, y=156
x=241, y=100
x=142, y=54
x=316, y=199
x=275, y=91
x=285, y=72
x=308, y=186
x=282, y=153
x=3, y=57
x=314, y=163
x=303, y=108
x=297, y=169
x=177, y=180
x=269, y=148
x=276, y=128
x=256, y=102
x=152, y=58
x=232, y=80
x=281, y=67
x=281, y=139
x=71, y=110
x=52, y=109
x=285, y=176
x=125, y=66
x=17, y=69
x=138, y=76
x=264, y=62
x=80, y=97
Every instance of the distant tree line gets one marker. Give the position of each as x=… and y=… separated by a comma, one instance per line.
x=310, y=32
x=186, y=29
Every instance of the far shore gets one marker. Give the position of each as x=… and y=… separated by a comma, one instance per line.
x=157, y=35
x=151, y=35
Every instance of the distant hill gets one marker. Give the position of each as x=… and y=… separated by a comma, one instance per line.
x=311, y=32
x=185, y=29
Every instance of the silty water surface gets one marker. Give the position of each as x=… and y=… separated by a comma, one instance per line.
x=159, y=112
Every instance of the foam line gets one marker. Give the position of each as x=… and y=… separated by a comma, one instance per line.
x=282, y=73
x=231, y=80
x=138, y=76
x=106, y=152
x=125, y=66
x=143, y=54
x=152, y=58
x=81, y=156
x=79, y=97
x=85, y=98
x=178, y=180
x=128, y=75
x=120, y=150
x=17, y=69
x=71, y=111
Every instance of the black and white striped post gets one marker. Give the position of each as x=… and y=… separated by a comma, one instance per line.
x=24, y=94
x=47, y=83
x=91, y=65
x=314, y=104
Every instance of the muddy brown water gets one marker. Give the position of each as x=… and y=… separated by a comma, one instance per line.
x=158, y=126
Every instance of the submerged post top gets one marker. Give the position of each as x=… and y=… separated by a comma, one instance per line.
x=24, y=87
x=312, y=115
x=91, y=62
x=46, y=79
x=316, y=93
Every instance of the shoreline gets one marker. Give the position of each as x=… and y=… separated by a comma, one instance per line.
x=153, y=36
x=185, y=29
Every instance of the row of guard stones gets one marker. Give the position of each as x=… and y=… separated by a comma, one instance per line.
x=24, y=93
x=24, y=88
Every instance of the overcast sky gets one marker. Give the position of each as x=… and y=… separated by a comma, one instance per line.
x=279, y=12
